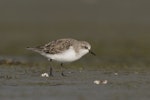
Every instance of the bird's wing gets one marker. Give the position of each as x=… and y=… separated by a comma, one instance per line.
x=56, y=46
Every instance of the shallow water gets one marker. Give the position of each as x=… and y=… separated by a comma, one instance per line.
x=25, y=82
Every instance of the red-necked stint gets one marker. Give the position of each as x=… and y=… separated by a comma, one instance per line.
x=63, y=50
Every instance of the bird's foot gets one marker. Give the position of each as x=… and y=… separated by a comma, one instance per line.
x=62, y=74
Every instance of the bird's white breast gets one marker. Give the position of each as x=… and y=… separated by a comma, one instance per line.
x=66, y=56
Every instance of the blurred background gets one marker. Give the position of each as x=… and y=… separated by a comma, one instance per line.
x=114, y=28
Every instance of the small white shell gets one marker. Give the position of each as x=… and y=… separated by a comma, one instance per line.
x=44, y=75
x=97, y=82
x=104, y=82
x=116, y=74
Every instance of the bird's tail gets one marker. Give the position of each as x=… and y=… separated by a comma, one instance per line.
x=33, y=49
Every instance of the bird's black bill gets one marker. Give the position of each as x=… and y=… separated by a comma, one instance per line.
x=92, y=53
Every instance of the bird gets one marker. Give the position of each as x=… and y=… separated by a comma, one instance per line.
x=63, y=51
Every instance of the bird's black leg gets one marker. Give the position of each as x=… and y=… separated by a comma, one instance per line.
x=50, y=69
x=62, y=70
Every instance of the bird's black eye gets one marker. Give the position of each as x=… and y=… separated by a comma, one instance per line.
x=85, y=47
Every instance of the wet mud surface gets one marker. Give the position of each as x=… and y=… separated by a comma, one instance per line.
x=22, y=82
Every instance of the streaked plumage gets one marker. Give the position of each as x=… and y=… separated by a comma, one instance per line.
x=63, y=50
